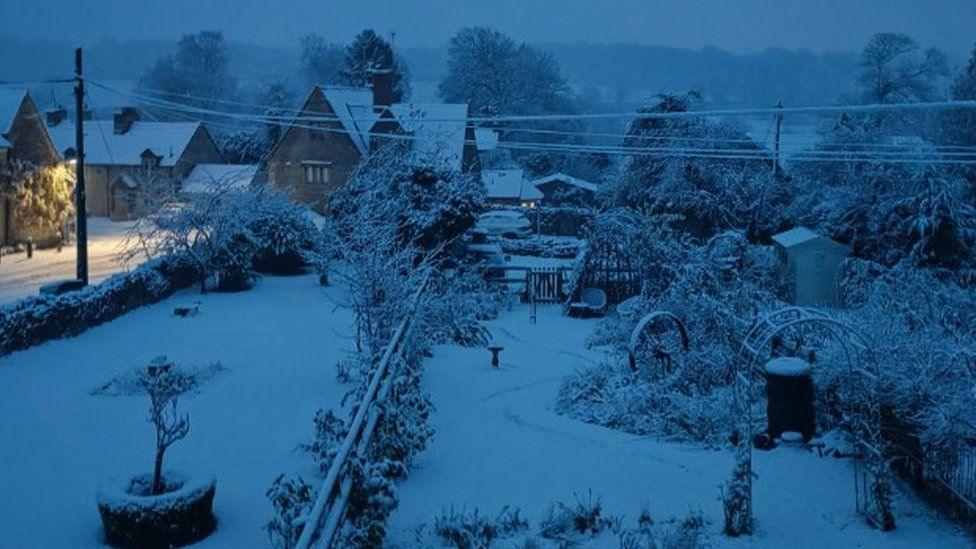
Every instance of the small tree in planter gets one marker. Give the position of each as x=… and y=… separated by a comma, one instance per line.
x=166, y=508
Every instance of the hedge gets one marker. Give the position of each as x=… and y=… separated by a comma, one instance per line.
x=34, y=320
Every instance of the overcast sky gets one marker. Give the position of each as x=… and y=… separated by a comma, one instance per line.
x=736, y=25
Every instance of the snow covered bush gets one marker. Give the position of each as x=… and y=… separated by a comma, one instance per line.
x=474, y=530
x=291, y=501
x=222, y=231
x=736, y=495
x=34, y=320
x=676, y=394
x=584, y=519
x=41, y=198
x=371, y=501
x=330, y=429
x=288, y=237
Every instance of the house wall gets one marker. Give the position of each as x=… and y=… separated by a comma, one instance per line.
x=302, y=144
x=99, y=177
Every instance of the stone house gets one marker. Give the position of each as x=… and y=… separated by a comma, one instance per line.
x=23, y=137
x=338, y=125
x=560, y=189
x=120, y=152
x=509, y=187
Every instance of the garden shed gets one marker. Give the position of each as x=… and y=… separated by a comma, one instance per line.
x=813, y=264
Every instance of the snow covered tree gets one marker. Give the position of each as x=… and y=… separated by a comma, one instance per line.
x=164, y=385
x=199, y=68
x=279, y=99
x=893, y=69
x=370, y=51
x=321, y=61
x=42, y=197
x=710, y=194
x=958, y=126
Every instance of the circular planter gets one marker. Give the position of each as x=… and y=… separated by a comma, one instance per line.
x=182, y=514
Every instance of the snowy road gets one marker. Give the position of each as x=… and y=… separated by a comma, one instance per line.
x=279, y=344
x=21, y=277
x=499, y=443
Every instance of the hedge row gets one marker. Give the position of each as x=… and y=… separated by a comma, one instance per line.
x=34, y=320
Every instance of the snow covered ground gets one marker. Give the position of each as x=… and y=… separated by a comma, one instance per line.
x=499, y=443
x=279, y=344
x=21, y=277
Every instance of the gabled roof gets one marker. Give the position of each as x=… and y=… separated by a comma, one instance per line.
x=167, y=140
x=509, y=184
x=204, y=177
x=4, y=144
x=568, y=179
x=10, y=102
x=354, y=108
x=438, y=129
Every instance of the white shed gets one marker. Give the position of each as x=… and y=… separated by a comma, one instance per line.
x=813, y=263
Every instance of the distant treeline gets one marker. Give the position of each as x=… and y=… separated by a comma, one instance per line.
x=621, y=73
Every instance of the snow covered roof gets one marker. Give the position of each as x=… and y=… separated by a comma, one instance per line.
x=10, y=101
x=354, y=108
x=167, y=140
x=568, y=179
x=509, y=184
x=203, y=177
x=802, y=235
x=794, y=236
x=437, y=128
x=4, y=144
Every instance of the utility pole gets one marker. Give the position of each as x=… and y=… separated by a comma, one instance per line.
x=81, y=216
x=779, y=122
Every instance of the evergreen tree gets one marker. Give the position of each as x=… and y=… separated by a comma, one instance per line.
x=371, y=51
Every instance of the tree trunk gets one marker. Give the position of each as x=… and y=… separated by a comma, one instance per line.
x=157, y=487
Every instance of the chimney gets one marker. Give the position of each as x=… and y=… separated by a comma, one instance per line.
x=381, y=80
x=123, y=119
x=55, y=115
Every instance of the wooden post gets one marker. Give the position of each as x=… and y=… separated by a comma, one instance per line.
x=81, y=225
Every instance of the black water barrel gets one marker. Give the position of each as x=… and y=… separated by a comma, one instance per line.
x=789, y=397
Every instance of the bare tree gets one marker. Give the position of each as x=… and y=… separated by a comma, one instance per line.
x=894, y=69
x=164, y=385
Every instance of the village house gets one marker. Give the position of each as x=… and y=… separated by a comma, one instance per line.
x=123, y=152
x=23, y=137
x=560, y=189
x=338, y=125
x=509, y=187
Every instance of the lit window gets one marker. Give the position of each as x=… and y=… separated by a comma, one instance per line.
x=317, y=173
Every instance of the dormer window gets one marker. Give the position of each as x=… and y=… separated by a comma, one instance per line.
x=149, y=160
x=317, y=173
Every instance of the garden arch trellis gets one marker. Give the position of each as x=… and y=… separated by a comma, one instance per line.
x=644, y=322
x=864, y=417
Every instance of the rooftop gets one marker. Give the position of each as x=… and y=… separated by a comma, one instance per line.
x=204, y=178
x=10, y=101
x=103, y=146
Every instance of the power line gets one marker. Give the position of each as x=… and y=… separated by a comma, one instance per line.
x=715, y=153
x=271, y=119
x=872, y=107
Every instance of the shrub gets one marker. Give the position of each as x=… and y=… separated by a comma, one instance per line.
x=291, y=500
x=474, y=530
x=584, y=518
x=38, y=319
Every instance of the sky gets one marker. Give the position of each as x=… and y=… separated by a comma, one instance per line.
x=741, y=26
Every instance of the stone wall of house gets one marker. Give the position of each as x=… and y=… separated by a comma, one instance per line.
x=200, y=150
x=299, y=145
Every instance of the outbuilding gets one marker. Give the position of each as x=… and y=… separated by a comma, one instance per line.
x=813, y=264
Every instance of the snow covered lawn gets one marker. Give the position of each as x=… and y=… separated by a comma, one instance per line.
x=279, y=344
x=21, y=277
x=499, y=443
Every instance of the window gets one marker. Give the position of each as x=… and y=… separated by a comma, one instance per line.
x=317, y=173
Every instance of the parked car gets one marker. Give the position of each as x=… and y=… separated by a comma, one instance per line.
x=489, y=255
x=504, y=223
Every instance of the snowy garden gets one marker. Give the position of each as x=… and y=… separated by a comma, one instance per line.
x=730, y=349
